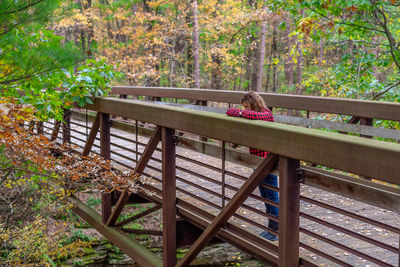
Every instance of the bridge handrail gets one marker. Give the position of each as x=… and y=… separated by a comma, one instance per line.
x=370, y=158
x=357, y=108
x=379, y=195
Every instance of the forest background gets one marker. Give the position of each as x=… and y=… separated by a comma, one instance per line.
x=328, y=48
x=61, y=52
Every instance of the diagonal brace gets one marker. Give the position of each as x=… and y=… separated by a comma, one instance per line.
x=56, y=130
x=137, y=216
x=265, y=168
x=151, y=146
x=92, y=135
x=148, y=151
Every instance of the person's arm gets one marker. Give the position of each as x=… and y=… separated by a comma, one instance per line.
x=250, y=114
x=254, y=115
x=234, y=112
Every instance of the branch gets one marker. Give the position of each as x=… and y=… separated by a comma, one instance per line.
x=386, y=90
x=356, y=41
x=33, y=172
x=392, y=41
x=22, y=8
x=345, y=23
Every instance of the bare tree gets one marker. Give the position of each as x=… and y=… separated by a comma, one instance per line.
x=261, y=54
x=196, y=64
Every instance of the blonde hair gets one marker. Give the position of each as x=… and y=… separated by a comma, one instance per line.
x=254, y=100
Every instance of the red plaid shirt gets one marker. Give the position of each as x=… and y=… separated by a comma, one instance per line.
x=265, y=115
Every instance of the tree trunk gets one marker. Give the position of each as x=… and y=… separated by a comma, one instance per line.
x=321, y=52
x=250, y=65
x=299, y=69
x=274, y=50
x=261, y=55
x=289, y=58
x=189, y=64
x=269, y=68
x=196, y=64
x=216, y=82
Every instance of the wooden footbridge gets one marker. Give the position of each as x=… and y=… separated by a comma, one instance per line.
x=332, y=210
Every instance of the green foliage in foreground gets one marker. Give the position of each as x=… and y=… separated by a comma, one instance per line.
x=39, y=67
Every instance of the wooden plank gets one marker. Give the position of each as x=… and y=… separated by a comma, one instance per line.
x=92, y=135
x=266, y=166
x=364, y=130
x=383, y=196
x=122, y=240
x=347, y=153
x=289, y=212
x=169, y=196
x=358, y=108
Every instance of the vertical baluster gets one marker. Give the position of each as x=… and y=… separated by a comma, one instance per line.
x=289, y=212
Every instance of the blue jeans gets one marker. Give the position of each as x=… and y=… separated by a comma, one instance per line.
x=271, y=180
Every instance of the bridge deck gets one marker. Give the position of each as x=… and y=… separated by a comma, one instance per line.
x=377, y=233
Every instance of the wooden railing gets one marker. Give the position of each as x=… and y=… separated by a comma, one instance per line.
x=224, y=204
x=362, y=111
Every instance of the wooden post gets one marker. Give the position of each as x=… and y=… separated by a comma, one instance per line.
x=169, y=196
x=366, y=122
x=67, y=126
x=289, y=212
x=105, y=124
x=40, y=127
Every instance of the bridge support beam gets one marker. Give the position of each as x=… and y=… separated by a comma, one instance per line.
x=289, y=212
x=169, y=196
x=122, y=240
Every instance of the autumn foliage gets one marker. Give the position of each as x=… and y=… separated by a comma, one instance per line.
x=35, y=177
